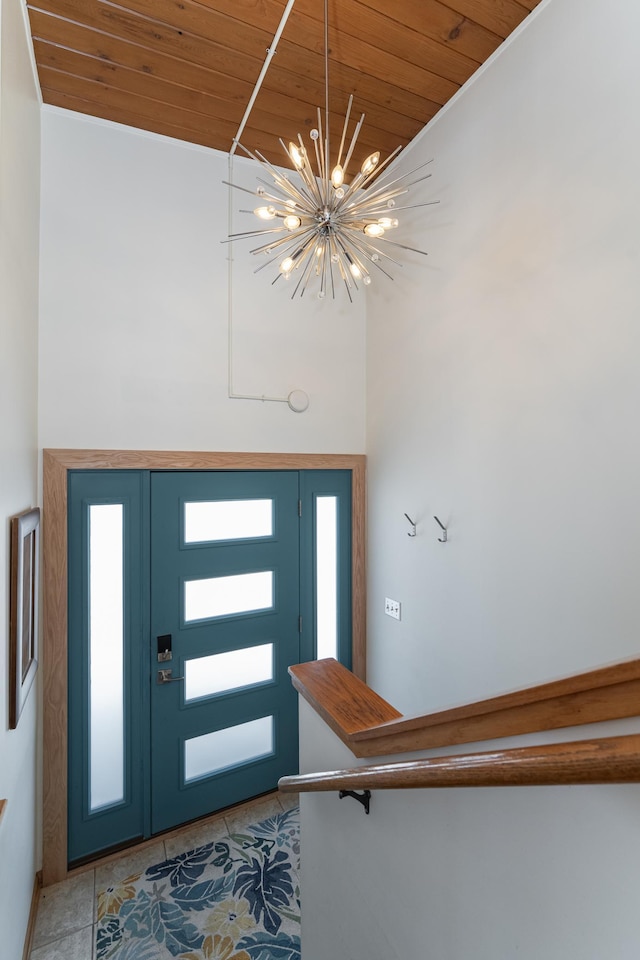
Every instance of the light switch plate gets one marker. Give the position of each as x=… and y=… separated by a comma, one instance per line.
x=392, y=608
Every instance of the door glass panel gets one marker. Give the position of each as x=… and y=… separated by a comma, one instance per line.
x=224, y=596
x=221, y=672
x=327, y=577
x=106, y=652
x=210, y=520
x=227, y=748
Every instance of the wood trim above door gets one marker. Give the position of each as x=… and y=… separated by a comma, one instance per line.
x=56, y=464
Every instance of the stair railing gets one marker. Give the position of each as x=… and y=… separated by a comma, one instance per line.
x=370, y=726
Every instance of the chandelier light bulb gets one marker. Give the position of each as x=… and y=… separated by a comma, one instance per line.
x=370, y=163
x=297, y=155
x=374, y=230
x=388, y=223
x=355, y=270
x=265, y=213
x=337, y=176
x=286, y=266
x=291, y=222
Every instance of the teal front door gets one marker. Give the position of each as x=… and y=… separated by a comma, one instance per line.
x=225, y=611
x=190, y=595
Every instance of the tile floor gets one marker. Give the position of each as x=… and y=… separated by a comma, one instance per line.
x=66, y=918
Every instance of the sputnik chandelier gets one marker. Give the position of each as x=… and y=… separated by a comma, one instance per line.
x=324, y=228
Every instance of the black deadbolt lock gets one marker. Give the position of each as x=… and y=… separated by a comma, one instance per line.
x=164, y=647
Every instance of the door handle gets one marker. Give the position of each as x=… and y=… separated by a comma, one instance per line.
x=164, y=676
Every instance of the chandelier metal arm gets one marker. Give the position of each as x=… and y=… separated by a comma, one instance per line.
x=285, y=245
x=343, y=245
x=333, y=284
x=359, y=182
x=340, y=266
x=354, y=139
x=295, y=195
x=412, y=183
x=404, y=246
x=333, y=252
x=304, y=278
x=280, y=181
x=285, y=184
x=301, y=255
x=236, y=186
x=410, y=206
x=245, y=234
x=324, y=155
x=359, y=210
x=344, y=129
x=267, y=263
x=306, y=173
x=373, y=249
x=317, y=143
x=355, y=185
x=376, y=263
x=384, y=185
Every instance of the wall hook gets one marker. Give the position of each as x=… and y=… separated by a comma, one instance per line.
x=413, y=531
x=442, y=526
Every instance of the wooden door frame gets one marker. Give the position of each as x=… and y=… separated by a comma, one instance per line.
x=56, y=465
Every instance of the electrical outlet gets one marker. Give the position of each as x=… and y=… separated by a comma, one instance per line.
x=392, y=608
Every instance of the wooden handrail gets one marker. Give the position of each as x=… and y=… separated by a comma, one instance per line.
x=606, y=760
x=371, y=727
x=343, y=701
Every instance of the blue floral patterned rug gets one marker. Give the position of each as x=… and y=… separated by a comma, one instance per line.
x=237, y=898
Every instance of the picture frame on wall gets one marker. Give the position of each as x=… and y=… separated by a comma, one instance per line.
x=23, y=606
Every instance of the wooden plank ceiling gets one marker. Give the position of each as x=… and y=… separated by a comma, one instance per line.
x=186, y=68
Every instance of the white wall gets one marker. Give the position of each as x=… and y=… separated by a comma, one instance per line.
x=503, y=384
x=503, y=396
x=134, y=294
x=477, y=874
x=19, y=194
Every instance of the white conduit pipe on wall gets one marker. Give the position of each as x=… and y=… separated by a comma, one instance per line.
x=297, y=400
